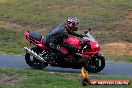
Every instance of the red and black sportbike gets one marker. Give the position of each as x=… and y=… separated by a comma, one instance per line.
x=39, y=55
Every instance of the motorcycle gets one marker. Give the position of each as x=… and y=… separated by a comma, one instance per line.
x=39, y=56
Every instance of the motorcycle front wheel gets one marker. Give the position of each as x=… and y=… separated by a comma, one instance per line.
x=95, y=64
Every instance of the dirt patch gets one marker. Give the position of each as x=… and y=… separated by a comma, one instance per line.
x=20, y=27
x=10, y=79
x=10, y=25
x=128, y=17
x=120, y=48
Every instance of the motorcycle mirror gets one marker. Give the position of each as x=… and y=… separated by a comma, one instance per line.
x=89, y=29
x=86, y=32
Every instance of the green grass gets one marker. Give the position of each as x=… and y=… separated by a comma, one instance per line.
x=96, y=14
x=113, y=36
x=118, y=4
x=47, y=79
x=11, y=41
x=120, y=58
x=42, y=13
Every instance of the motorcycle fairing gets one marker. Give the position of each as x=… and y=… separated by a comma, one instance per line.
x=35, y=39
x=72, y=40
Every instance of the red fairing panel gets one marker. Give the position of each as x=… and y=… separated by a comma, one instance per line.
x=26, y=34
x=94, y=45
x=41, y=44
x=73, y=41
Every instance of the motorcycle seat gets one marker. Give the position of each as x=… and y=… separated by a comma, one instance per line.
x=35, y=35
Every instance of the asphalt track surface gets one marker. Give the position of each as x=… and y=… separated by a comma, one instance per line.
x=111, y=68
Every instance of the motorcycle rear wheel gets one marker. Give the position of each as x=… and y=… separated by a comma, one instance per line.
x=33, y=62
x=96, y=64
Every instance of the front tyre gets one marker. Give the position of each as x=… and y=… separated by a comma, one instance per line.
x=96, y=64
x=33, y=62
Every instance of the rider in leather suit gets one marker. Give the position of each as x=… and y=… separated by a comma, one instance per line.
x=55, y=37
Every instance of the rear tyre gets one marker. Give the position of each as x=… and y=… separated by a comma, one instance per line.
x=96, y=64
x=33, y=62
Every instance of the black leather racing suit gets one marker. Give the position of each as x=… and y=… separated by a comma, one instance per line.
x=55, y=37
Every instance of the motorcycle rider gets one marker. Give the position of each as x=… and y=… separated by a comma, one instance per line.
x=55, y=37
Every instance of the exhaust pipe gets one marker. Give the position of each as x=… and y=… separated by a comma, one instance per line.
x=32, y=53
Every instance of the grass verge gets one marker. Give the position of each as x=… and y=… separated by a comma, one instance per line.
x=48, y=79
x=11, y=41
